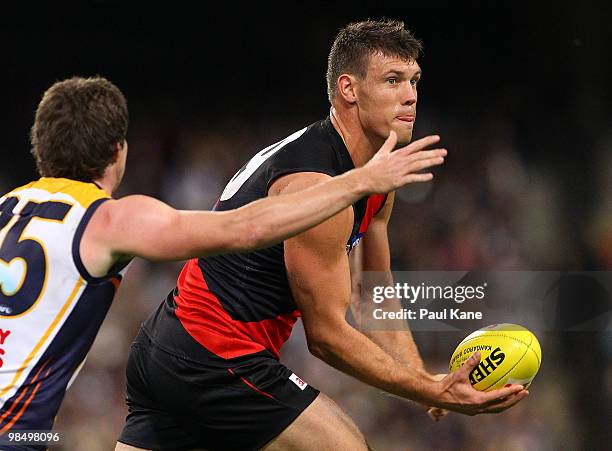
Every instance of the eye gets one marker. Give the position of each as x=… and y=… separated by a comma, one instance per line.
x=414, y=81
x=392, y=81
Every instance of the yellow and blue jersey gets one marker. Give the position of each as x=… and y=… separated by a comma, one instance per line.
x=51, y=308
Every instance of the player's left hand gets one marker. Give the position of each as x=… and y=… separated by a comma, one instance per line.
x=436, y=413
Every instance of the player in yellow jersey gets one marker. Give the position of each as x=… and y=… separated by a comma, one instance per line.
x=65, y=242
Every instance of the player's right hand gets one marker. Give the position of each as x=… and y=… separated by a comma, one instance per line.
x=457, y=393
x=389, y=170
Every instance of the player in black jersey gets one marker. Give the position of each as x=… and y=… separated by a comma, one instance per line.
x=65, y=242
x=204, y=372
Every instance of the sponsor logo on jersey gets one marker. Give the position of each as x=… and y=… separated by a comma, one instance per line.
x=354, y=242
x=298, y=381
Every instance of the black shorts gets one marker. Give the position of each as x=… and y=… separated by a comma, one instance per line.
x=175, y=403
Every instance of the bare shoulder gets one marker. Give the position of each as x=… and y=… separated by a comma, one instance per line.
x=114, y=225
x=117, y=212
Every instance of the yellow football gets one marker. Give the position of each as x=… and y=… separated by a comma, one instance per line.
x=509, y=354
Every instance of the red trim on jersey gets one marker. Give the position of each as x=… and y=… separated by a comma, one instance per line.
x=24, y=387
x=204, y=318
x=375, y=203
x=229, y=370
x=116, y=281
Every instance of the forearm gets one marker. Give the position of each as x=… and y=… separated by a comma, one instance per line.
x=352, y=352
x=276, y=218
x=395, y=336
x=399, y=344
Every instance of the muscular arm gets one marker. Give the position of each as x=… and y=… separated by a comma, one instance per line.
x=146, y=227
x=143, y=226
x=318, y=271
x=376, y=257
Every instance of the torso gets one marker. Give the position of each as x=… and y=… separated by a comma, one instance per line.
x=50, y=307
x=238, y=304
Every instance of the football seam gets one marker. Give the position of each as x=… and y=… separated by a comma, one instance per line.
x=528, y=345
x=503, y=375
x=536, y=356
x=497, y=335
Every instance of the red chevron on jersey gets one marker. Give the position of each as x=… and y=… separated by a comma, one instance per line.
x=241, y=303
x=374, y=205
x=204, y=318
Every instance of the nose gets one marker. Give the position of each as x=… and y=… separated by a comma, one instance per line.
x=409, y=95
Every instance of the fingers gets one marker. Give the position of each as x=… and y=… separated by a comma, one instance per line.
x=468, y=366
x=418, y=178
x=495, y=396
x=423, y=160
x=507, y=403
x=425, y=154
x=436, y=414
x=411, y=160
x=421, y=144
x=433, y=414
x=426, y=163
x=389, y=143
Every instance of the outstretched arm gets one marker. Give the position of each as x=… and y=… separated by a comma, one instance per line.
x=146, y=227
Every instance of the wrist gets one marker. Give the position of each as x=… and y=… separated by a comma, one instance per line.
x=359, y=181
x=432, y=390
x=419, y=386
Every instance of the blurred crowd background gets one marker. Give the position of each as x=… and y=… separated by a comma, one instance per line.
x=522, y=100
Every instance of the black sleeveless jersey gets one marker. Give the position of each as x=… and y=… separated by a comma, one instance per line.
x=237, y=304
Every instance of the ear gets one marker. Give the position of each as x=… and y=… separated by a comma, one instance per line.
x=346, y=85
x=118, y=148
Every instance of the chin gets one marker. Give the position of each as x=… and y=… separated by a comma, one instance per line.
x=404, y=135
x=403, y=140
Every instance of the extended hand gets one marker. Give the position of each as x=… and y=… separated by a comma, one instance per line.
x=389, y=170
x=457, y=393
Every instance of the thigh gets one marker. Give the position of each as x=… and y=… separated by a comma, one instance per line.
x=150, y=424
x=259, y=399
x=322, y=425
x=215, y=404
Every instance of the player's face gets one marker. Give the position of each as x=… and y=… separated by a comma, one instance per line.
x=387, y=97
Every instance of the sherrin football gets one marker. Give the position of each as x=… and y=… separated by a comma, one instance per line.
x=509, y=354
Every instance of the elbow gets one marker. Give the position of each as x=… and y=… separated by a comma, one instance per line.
x=315, y=348
x=326, y=337
x=319, y=346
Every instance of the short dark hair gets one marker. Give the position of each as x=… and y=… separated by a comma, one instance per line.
x=77, y=126
x=355, y=43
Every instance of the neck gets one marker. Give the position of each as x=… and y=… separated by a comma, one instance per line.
x=106, y=182
x=360, y=145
